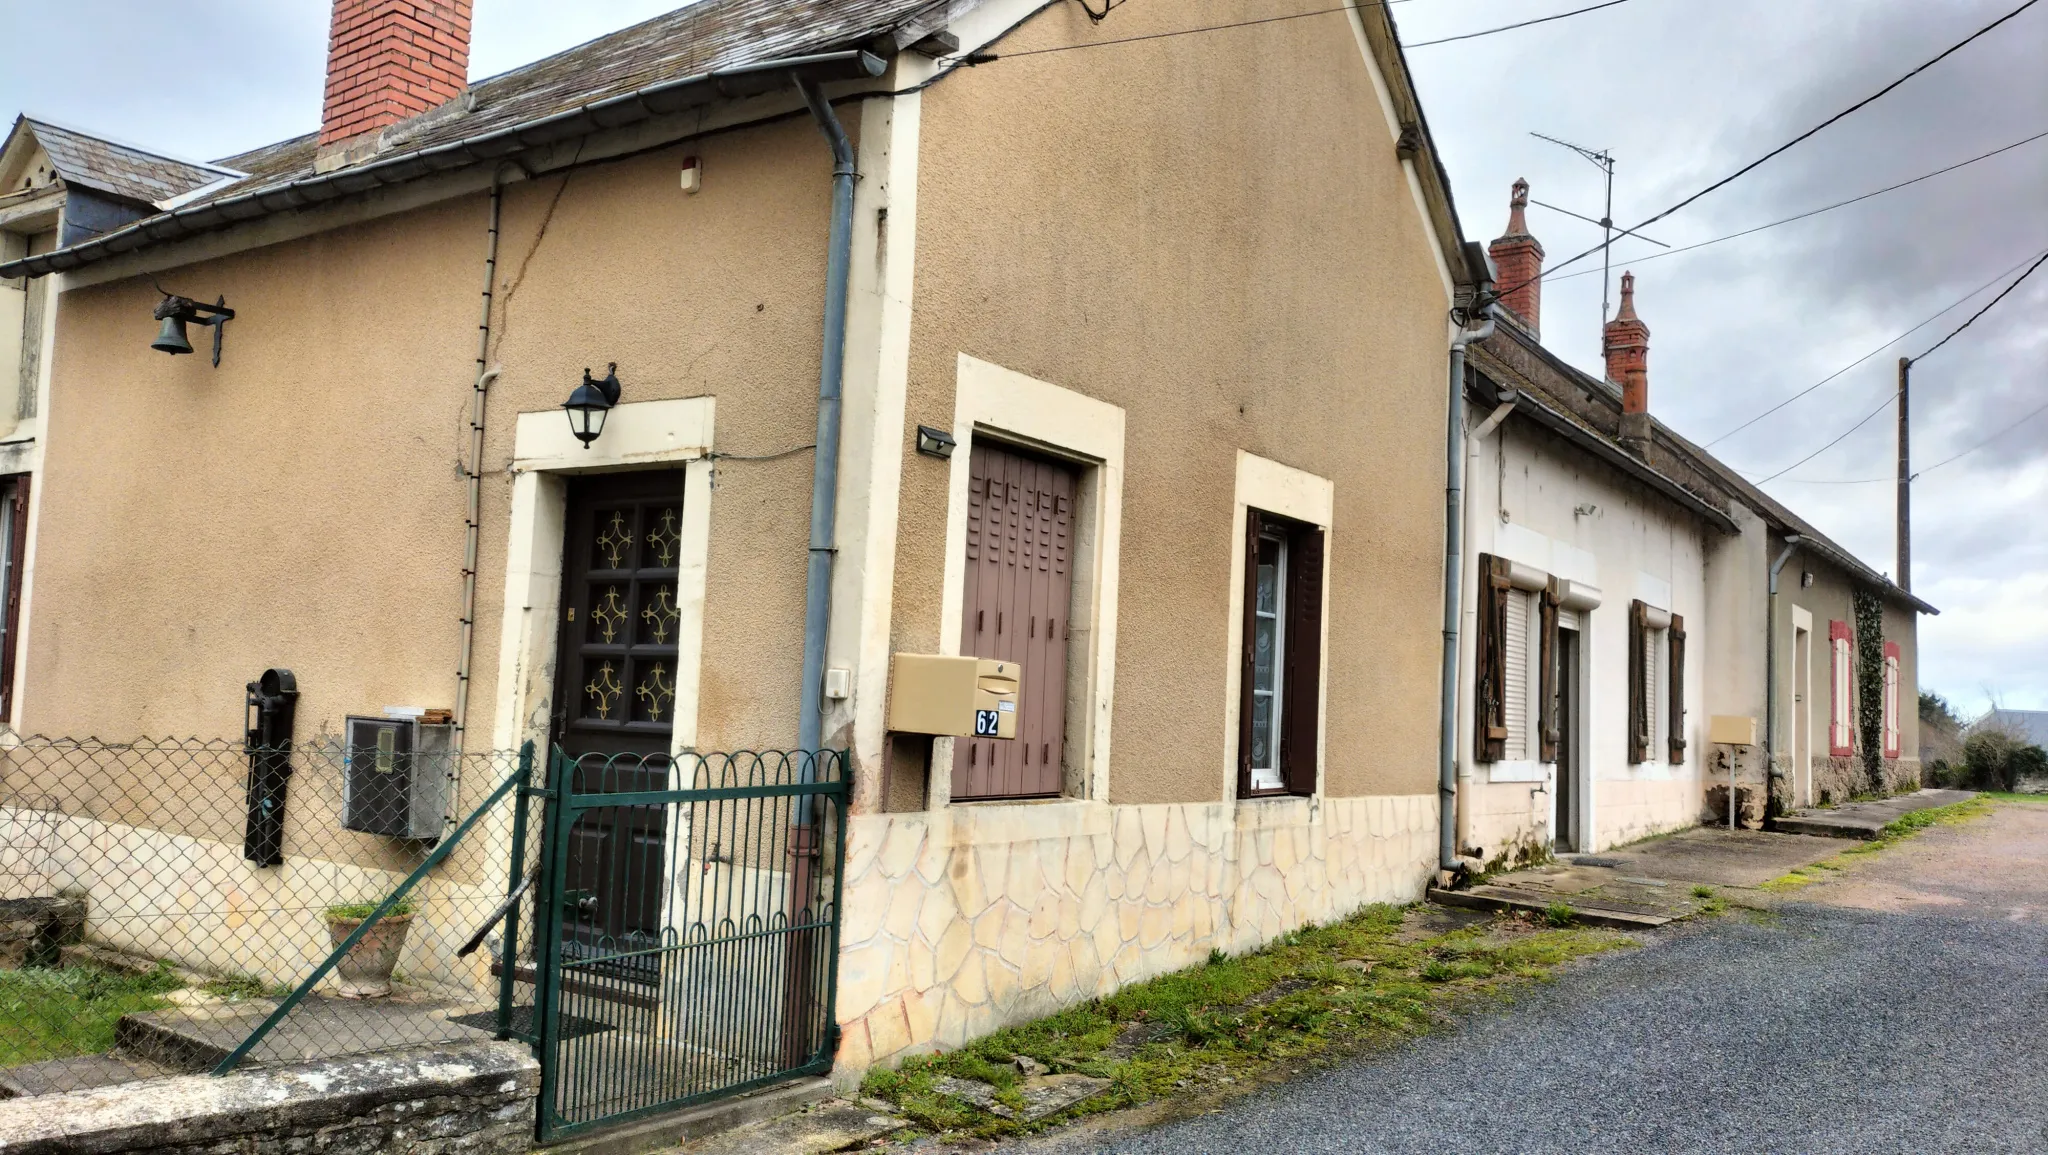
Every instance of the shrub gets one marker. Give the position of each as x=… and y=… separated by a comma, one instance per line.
x=1995, y=759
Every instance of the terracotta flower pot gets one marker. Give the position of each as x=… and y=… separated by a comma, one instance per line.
x=365, y=971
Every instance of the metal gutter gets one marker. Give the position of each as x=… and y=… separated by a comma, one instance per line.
x=645, y=103
x=1532, y=409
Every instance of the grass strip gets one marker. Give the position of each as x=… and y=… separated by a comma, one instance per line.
x=62, y=1012
x=1316, y=992
x=1898, y=830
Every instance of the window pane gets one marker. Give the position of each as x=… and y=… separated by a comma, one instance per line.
x=1269, y=576
x=1264, y=635
x=1262, y=731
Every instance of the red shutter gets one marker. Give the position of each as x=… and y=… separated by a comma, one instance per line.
x=1300, y=736
x=1489, y=688
x=1253, y=523
x=1638, y=691
x=17, y=556
x=1547, y=681
x=1894, y=700
x=1677, y=680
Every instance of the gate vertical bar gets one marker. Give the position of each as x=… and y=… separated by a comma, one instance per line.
x=841, y=803
x=548, y=929
x=515, y=873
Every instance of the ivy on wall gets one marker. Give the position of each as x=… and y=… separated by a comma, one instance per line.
x=1870, y=684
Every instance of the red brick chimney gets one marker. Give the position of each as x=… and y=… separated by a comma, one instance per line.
x=1518, y=260
x=1628, y=364
x=388, y=60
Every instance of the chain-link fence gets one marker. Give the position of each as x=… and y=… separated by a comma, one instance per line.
x=159, y=900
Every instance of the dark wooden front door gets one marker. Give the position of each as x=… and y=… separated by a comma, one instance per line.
x=1566, y=832
x=1019, y=585
x=615, y=694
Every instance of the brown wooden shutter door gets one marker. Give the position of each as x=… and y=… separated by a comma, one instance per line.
x=1677, y=689
x=1638, y=698
x=1489, y=701
x=1254, y=523
x=1547, y=687
x=1018, y=587
x=18, y=545
x=1302, y=697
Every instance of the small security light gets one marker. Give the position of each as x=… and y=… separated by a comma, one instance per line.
x=1806, y=579
x=935, y=442
x=177, y=312
x=588, y=406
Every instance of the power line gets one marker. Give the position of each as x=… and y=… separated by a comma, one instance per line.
x=1950, y=307
x=1886, y=404
x=1512, y=27
x=2009, y=427
x=1752, y=165
x=1822, y=209
x=1986, y=309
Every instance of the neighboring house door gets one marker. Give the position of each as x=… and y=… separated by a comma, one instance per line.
x=615, y=696
x=1565, y=826
x=1019, y=585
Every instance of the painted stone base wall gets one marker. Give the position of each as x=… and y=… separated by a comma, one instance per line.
x=1626, y=809
x=475, y=1098
x=1506, y=823
x=965, y=920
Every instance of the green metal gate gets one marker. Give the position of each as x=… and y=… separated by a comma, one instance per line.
x=685, y=929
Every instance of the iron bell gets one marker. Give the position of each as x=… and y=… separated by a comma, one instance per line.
x=172, y=338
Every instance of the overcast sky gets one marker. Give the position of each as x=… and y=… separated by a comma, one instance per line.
x=1681, y=91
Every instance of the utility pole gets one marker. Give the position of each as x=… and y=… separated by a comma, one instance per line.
x=1905, y=502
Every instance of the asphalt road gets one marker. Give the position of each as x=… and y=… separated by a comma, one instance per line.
x=1903, y=1007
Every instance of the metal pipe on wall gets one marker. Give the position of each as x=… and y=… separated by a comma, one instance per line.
x=1770, y=681
x=1454, y=531
x=479, y=394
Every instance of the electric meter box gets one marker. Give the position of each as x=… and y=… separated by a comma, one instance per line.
x=957, y=697
x=397, y=777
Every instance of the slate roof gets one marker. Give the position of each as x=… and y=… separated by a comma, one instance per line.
x=117, y=169
x=2031, y=725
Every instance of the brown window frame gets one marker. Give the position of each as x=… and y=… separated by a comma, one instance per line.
x=1301, y=655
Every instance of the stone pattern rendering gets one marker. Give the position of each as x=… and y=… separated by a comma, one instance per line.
x=961, y=921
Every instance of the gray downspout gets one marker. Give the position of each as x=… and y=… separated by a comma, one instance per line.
x=1770, y=678
x=1454, y=532
x=825, y=469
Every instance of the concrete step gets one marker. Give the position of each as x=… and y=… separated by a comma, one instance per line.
x=195, y=1038
x=1588, y=913
x=1866, y=820
x=80, y=1073
x=697, y=1123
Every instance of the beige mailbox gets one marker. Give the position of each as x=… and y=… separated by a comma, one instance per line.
x=960, y=697
x=1732, y=730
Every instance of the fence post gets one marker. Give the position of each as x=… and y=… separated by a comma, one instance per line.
x=547, y=919
x=509, y=957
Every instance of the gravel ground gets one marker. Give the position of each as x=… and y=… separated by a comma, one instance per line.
x=1918, y=1026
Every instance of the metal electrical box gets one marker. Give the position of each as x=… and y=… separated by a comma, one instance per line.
x=960, y=697
x=397, y=778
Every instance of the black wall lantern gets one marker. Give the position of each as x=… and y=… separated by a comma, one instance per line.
x=588, y=406
x=177, y=312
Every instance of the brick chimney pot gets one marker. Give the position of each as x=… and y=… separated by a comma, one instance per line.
x=388, y=60
x=1518, y=259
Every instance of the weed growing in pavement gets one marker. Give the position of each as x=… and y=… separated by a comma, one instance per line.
x=1315, y=991
x=1894, y=832
x=1708, y=901
x=1558, y=913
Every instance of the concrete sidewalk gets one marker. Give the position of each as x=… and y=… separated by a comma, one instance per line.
x=1649, y=883
x=1864, y=820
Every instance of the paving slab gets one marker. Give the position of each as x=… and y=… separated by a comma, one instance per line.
x=1865, y=820
x=1714, y=856
x=833, y=1125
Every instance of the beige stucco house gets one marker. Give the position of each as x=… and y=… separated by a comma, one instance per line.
x=1172, y=311
x=1624, y=590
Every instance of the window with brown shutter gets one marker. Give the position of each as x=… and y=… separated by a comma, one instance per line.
x=1676, y=658
x=1638, y=682
x=1547, y=680
x=1489, y=690
x=1280, y=695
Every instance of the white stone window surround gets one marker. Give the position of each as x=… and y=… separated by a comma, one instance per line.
x=997, y=404
x=1268, y=485
x=637, y=435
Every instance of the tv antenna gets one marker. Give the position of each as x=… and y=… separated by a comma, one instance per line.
x=1604, y=161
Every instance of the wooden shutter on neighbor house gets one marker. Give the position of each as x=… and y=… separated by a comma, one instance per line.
x=1018, y=584
x=1841, y=691
x=1302, y=704
x=1489, y=690
x=1638, y=687
x=1677, y=712
x=1547, y=685
x=17, y=553
x=1301, y=695
x=1894, y=701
